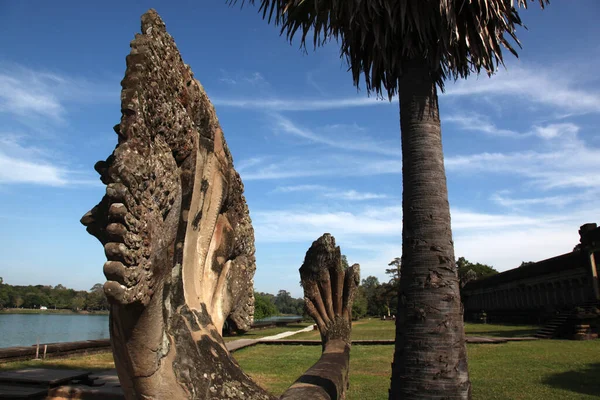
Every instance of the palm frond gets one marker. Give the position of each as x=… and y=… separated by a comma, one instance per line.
x=379, y=37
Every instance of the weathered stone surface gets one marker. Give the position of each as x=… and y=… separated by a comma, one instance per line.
x=329, y=292
x=176, y=231
x=180, y=245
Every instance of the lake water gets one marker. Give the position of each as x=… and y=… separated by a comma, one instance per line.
x=26, y=329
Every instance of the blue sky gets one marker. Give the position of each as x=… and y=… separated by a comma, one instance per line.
x=316, y=155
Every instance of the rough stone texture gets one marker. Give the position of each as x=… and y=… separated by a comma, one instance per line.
x=329, y=292
x=176, y=232
x=180, y=245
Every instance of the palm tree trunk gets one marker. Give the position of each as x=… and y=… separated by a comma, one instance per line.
x=430, y=360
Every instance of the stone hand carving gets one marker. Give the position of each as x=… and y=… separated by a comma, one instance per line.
x=329, y=292
x=176, y=232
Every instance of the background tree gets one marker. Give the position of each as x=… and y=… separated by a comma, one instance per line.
x=526, y=263
x=369, y=286
x=468, y=271
x=395, y=271
x=409, y=48
x=285, y=303
x=96, y=299
x=359, y=307
x=4, y=294
x=78, y=302
x=264, y=306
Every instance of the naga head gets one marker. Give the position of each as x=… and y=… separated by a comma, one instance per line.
x=174, y=211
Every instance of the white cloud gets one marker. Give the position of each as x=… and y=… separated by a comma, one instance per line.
x=28, y=93
x=31, y=165
x=565, y=161
x=332, y=165
x=479, y=123
x=565, y=133
x=277, y=104
x=248, y=163
x=334, y=136
x=13, y=170
x=333, y=193
x=559, y=201
x=353, y=195
x=305, y=225
x=550, y=87
x=374, y=233
x=301, y=188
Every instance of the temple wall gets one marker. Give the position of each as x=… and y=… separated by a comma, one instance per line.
x=541, y=289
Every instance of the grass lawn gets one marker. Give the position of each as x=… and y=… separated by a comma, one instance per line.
x=531, y=370
x=377, y=329
x=561, y=370
x=260, y=333
x=97, y=361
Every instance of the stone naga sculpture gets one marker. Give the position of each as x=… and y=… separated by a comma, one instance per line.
x=329, y=292
x=178, y=237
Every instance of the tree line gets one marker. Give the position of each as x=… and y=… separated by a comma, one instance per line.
x=53, y=297
x=373, y=298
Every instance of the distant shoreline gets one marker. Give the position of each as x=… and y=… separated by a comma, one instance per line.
x=50, y=311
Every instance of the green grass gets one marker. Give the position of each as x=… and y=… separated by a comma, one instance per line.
x=543, y=369
x=376, y=329
x=561, y=370
x=531, y=370
x=370, y=367
x=500, y=330
x=260, y=333
x=364, y=329
x=97, y=361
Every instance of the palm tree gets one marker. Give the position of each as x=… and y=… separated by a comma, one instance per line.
x=409, y=48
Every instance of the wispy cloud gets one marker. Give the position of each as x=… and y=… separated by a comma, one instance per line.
x=32, y=165
x=478, y=123
x=301, y=188
x=273, y=168
x=550, y=87
x=243, y=78
x=13, y=170
x=278, y=104
x=335, y=136
x=27, y=93
x=565, y=132
x=560, y=201
x=353, y=195
x=565, y=161
x=332, y=193
x=502, y=240
x=304, y=225
x=311, y=81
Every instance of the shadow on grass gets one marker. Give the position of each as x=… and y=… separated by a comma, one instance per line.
x=503, y=333
x=583, y=381
x=94, y=362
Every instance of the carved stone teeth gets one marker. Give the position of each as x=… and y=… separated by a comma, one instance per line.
x=119, y=252
x=117, y=230
x=116, y=271
x=117, y=192
x=117, y=211
x=116, y=291
x=87, y=219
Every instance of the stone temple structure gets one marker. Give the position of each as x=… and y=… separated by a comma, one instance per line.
x=180, y=245
x=538, y=291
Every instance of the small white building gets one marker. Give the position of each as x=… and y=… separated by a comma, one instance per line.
x=43, y=308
